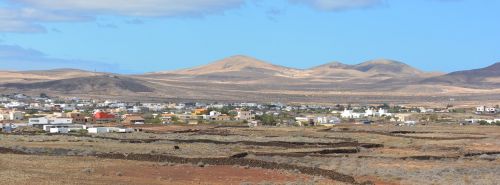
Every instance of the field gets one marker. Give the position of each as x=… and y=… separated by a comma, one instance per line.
x=351, y=154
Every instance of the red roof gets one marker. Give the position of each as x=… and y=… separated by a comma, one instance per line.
x=103, y=115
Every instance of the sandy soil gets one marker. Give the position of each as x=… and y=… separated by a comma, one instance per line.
x=23, y=169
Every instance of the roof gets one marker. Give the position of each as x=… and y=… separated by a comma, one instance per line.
x=104, y=115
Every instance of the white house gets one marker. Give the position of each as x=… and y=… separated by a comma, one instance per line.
x=46, y=121
x=214, y=113
x=303, y=119
x=97, y=130
x=63, y=127
x=424, y=110
x=59, y=130
x=370, y=112
x=480, y=109
x=486, y=109
x=350, y=114
x=383, y=112
x=327, y=120
x=491, y=110
x=42, y=120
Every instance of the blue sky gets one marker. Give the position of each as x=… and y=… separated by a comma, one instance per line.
x=135, y=36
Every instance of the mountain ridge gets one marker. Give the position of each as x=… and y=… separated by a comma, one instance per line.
x=241, y=78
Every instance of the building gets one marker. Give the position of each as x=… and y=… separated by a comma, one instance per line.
x=97, y=130
x=245, y=115
x=370, y=112
x=134, y=119
x=486, y=110
x=167, y=118
x=327, y=120
x=78, y=117
x=38, y=121
x=480, y=109
x=214, y=113
x=199, y=111
x=221, y=117
x=59, y=130
x=44, y=121
x=104, y=117
x=350, y=114
x=401, y=117
x=383, y=112
x=16, y=115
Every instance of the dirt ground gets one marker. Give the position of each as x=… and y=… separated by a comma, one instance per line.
x=376, y=154
x=24, y=169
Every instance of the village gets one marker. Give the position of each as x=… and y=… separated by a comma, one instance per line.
x=53, y=115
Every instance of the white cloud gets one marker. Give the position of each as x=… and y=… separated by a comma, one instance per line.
x=14, y=57
x=147, y=8
x=337, y=5
x=28, y=15
x=28, y=20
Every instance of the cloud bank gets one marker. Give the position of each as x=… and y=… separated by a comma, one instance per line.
x=338, y=5
x=28, y=15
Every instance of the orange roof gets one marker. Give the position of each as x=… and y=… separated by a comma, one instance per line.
x=104, y=115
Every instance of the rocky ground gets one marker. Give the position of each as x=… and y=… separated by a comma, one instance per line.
x=226, y=155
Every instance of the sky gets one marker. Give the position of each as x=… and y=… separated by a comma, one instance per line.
x=138, y=36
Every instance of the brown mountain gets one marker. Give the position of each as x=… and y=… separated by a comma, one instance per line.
x=91, y=84
x=238, y=63
x=43, y=75
x=488, y=76
x=242, y=78
x=387, y=67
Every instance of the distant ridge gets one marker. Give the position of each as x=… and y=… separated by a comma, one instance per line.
x=106, y=83
x=243, y=78
x=474, y=77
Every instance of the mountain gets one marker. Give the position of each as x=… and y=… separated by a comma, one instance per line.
x=92, y=84
x=335, y=70
x=387, y=67
x=238, y=63
x=43, y=75
x=477, y=77
x=242, y=78
x=375, y=69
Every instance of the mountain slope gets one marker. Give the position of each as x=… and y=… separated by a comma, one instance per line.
x=477, y=77
x=387, y=67
x=93, y=84
x=43, y=75
x=237, y=63
x=335, y=70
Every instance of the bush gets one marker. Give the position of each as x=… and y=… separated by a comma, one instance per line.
x=482, y=122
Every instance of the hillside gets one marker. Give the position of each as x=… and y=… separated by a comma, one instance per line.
x=387, y=67
x=238, y=63
x=43, y=75
x=488, y=76
x=93, y=84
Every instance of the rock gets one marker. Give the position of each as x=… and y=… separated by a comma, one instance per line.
x=240, y=155
x=88, y=170
x=200, y=164
x=177, y=147
x=119, y=174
